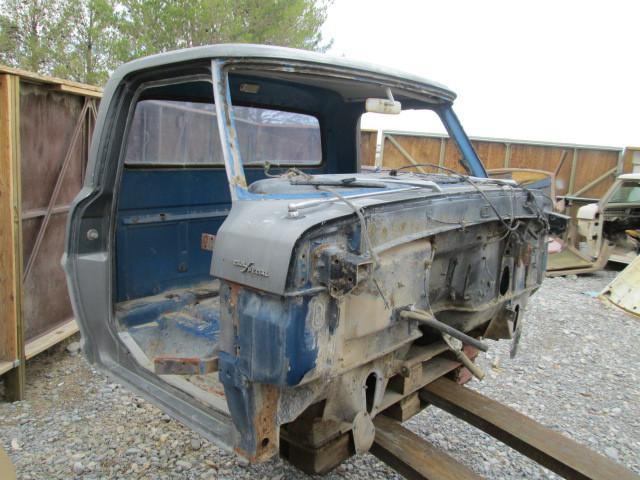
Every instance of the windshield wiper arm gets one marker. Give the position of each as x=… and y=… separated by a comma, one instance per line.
x=343, y=182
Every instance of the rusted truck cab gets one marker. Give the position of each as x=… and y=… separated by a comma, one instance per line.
x=230, y=261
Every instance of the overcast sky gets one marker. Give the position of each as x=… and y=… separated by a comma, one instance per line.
x=565, y=71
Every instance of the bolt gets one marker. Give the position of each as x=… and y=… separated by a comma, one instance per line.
x=92, y=234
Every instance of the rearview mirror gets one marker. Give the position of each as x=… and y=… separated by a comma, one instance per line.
x=383, y=105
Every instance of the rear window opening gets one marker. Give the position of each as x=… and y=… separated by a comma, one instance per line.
x=181, y=133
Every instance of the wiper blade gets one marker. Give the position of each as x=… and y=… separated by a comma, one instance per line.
x=343, y=182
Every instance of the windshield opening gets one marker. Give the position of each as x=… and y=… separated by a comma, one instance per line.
x=416, y=140
x=335, y=97
x=627, y=192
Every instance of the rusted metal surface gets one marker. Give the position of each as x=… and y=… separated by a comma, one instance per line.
x=414, y=457
x=545, y=446
x=266, y=425
x=166, y=365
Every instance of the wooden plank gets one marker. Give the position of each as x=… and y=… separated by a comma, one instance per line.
x=431, y=370
x=11, y=328
x=6, y=366
x=594, y=165
x=404, y=150
x=7, y=470
x=414, y=457
x=41, y=212
x=405, y=408
x=611, y=174
x=8, y=349
x=84, y=92
x=69, y=86
x=630, y=153
x=405, y=154
x=316, y=461
x=586, y=163
x=545, y=446
x=368, y=140
x=49, y=339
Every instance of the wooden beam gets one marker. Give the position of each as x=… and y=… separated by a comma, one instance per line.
x=414, y=457
x=84, y=92
x=563, y=157
x=574, y=168
x=6, y=366
x=596, y=181
x=545, y=446
x=49, y=339
x=507, y=155
x=443, y=151
x=11, y=328
x=61, y=84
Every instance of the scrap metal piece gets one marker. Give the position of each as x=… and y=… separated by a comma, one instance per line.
x=624, y=291
x=207, y=241
x=363, y=432
x=516, y=339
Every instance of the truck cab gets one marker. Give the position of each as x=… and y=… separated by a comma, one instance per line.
x=230, y=261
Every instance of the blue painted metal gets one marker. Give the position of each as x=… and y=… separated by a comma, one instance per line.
x=201, y=323
x=227, y=130
x=273, y=342
x=273, y=346
x=145, y=310
x=455, y=130
x=162, y=214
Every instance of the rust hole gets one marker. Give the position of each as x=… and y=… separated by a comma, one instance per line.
x=370, y=390
x=516, y=318
x=265, y=442
x=505, y=280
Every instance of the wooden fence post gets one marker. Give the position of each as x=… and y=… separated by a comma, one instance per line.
x=12, y=356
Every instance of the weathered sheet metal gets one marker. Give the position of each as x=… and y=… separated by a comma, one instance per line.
x=624, y=290
x=315, y=267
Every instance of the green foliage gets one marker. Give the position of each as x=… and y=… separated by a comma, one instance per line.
x=30, y=31
x=85, y=40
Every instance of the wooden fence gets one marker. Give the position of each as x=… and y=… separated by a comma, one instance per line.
x=580, y=170
x=45, y=129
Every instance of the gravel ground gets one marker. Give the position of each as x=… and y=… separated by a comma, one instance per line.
x=577, y=371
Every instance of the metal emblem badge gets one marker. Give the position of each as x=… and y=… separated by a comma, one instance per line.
x=249, y=267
